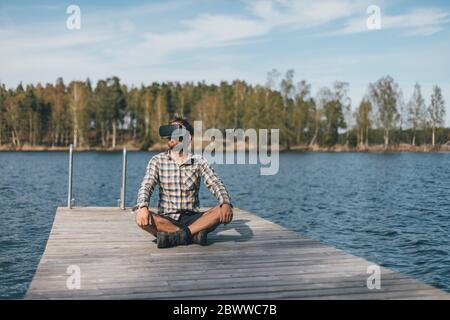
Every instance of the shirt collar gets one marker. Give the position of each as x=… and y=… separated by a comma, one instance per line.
x=188, y=160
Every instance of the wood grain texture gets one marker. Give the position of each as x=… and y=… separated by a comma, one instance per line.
x=250, y=258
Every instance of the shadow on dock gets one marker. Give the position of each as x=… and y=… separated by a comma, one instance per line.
x=239, y=226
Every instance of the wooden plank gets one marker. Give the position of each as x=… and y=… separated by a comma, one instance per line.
x=250, y=258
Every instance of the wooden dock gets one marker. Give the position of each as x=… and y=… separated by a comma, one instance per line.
x=250, y=258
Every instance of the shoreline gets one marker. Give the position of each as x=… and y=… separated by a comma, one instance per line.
x=400, y=148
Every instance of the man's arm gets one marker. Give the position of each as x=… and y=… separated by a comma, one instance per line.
x=217, y=188
x=148, y=184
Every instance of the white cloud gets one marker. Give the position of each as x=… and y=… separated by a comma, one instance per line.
x=27, y=41
x=417, y=22
x=205, y=31
x=304, y=14
x=261, y=18
x=225, y=28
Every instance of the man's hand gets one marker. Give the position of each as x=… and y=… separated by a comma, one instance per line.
x=142, y=217
x=226, y=213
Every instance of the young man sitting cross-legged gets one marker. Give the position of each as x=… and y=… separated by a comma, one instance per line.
x=178, y=172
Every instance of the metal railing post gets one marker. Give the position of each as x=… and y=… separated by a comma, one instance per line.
x=124, y=179
x=69, y=195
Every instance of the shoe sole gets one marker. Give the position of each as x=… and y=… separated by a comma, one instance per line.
x=203, y=241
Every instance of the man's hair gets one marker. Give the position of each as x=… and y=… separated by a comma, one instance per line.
x=180, y=119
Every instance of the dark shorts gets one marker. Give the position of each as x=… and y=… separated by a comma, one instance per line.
x=187, y=217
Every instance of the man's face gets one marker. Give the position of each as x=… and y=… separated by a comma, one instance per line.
x=172, y=143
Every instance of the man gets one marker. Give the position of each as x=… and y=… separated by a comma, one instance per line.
x=178, y=172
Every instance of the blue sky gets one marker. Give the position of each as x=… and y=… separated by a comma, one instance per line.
x=213, y=40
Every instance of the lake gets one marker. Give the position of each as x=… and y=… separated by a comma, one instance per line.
x=390, y=208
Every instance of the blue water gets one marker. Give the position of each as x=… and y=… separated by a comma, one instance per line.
x=393, y=209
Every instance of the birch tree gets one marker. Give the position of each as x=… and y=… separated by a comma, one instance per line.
x=341, y=96
x=384, y=94
x=436, y=112
x=416, y=112
x=78, y=104
x=363, y=121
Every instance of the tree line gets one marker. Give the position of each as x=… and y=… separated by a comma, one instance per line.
x=112, y=113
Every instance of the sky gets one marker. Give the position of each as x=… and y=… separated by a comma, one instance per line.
x=213, y=40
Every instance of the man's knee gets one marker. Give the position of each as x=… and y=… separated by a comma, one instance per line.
x=213, y=215
x=158, y=220
x=215, y=211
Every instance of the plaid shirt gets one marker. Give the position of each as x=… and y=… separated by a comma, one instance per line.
x=179, y=185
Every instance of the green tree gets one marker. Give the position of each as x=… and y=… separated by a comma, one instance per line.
x=110, y=112
x=333, y=114
x=159, y=110
x=3, y=93
x=29, y=105
x=287, y=89
x=41, y=117
x=304, y=105
x=363, y=121
x=102, y=111
x=436, y=111
x=323, y=97
x=384, y=94
x=344, y=105
x=59, y=119
x=133, y=112
x=78, y=100
x=416, y=112
x=14, y=119
x=118, y=106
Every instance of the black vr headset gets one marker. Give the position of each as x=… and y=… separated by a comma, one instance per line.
x=173, y=131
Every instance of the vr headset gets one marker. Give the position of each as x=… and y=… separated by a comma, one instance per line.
x=173, y=131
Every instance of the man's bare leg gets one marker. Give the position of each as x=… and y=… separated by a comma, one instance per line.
x=208, y=221
x=150, y=229
x=159, y=224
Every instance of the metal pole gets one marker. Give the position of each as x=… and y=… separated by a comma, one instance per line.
x=124, y=179
x=69, y=195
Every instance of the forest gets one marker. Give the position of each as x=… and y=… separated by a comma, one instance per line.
x=111, y=114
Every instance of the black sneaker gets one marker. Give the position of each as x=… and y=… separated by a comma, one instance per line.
x=200, y=238
x=162, y=239
x=172, y=239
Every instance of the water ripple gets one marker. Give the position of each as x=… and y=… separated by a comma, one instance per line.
x=393, y=209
